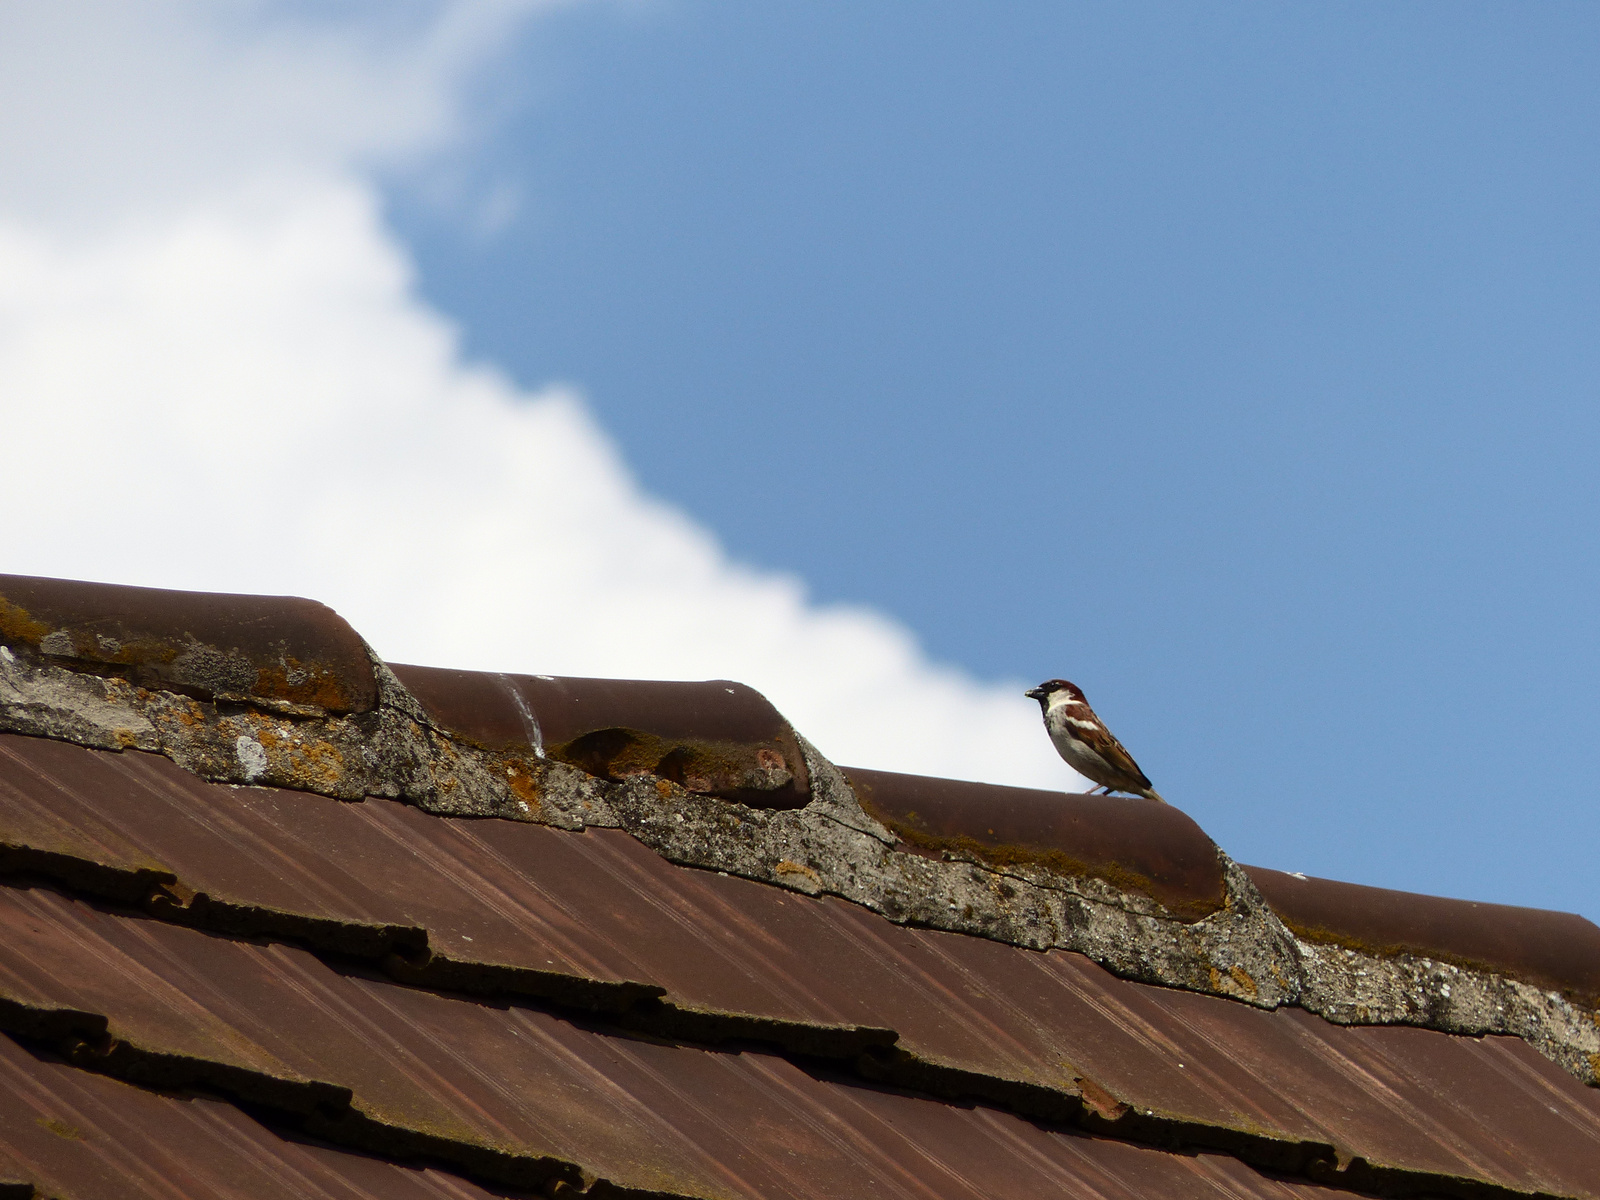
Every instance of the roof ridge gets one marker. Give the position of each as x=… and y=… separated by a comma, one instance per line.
x=399, y=747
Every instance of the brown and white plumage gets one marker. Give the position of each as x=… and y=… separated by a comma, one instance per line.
x=1083, y=740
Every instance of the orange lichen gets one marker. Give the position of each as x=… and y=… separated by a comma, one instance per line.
x=785, y=867
x=520, y=779
x=320, y=760
x=270, y=737
x=304, y=683
x=1101, y=1102
x=1236, y=982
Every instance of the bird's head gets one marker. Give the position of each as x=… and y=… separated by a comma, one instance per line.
x=1051, y=688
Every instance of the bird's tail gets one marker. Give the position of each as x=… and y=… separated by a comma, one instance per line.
x=1152, y=794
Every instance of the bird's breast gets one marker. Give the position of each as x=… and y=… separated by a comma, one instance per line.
x=1076, y=751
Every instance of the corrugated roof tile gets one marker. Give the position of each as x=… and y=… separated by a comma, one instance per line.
x=447, y=1076
x=729, y=954
x=74, y=1134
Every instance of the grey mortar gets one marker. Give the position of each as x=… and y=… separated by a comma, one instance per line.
x=830, y=847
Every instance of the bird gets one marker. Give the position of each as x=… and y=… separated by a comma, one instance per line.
x=1082, y=739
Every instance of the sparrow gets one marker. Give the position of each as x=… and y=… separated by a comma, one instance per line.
x=1082, y=739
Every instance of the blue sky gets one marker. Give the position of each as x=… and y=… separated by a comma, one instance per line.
x=1237, y=361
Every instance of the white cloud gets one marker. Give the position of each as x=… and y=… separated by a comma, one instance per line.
x=112, y=110
x=219, y=376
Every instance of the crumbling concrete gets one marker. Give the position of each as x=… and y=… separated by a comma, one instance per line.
x=1352, y=987
x=831, y=847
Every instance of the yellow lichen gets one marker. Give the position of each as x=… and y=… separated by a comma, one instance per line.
x=17, y=624
x=61, y=1129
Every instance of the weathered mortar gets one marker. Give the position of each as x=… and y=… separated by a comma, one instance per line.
x=829, y=847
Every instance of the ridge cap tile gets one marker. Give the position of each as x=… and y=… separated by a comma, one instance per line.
x=713, y=736
x=1132, y=843
x=281, y=651
x=1552, y=949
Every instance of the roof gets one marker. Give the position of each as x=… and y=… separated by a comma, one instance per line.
x=280, y=918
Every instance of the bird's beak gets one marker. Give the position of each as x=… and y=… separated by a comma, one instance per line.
x=1034, y=693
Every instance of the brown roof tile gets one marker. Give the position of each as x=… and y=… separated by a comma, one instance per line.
x=548, y=913
x=1136, y=844
x=716, y=737
x=1555, y=950
x=511, y=1092
x=73, y=1133
x=569, y=1011
x=265, y=648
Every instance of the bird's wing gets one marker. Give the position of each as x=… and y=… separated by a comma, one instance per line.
x=1105, y=744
